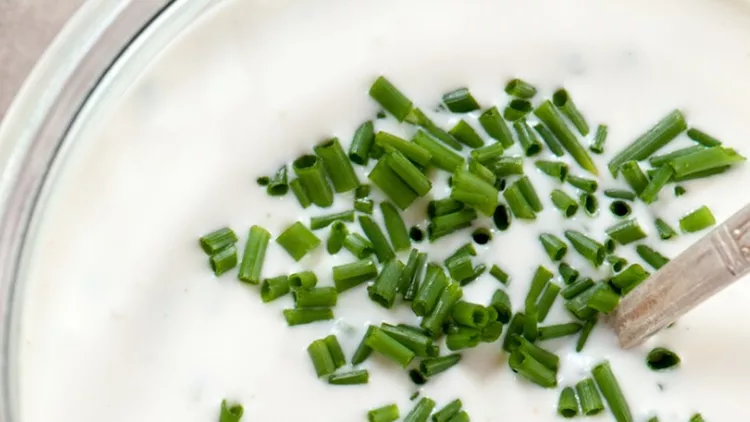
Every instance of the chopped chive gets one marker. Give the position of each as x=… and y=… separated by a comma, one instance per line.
x=491, y=332
x=515, y=329
x=591, y=400
x=447, y=413
x=307, y=315
x=597, y=146
x=303, y=280
x=697, y=418
x=409, y=271
x=318, y=297
x=560, y=330
x=363, y=351
x=589, y=203
x=300, y=193
x=362, y=191
x=392, y=100
x=529, y=193
x=587, y=247
x=619, y=208
x=443, y=206
x=604, y=300
x=658, y=136
x=383, y=290
x=355, y=377
x=460, y=101
x=495, y=126
x=488, y=153
x=416, y=234
x=660, y=160
x=626, y=232
x=517, y=109
x=364, y=139
x=506, y=166
x=630, y=278
x=462, y=338
x=586, y=185
x=561, y=99
x=702, y=138
x=466, y=134
x=470, y=315
x=499, y=274
x=433, y=366
x=567, y=404
x=634, y=176
x=353, y=274
x=520, y=89
x=378, y=240
x=552, y=118
x=656, y=184
x=223, y=260
x=652, y=258
x=230, y=412
x=547, y=299
x=501, y=216
x=410, y=150
x=534, y=363
x=620, y=194
x=501, y=303
x=660, y=359
x=476, y=168
x=421, y=411
x=434, y=282
x=254, y=255
x=577, y=288
x=459, y=266
x=481, y=236
x=442, y=157
x=531, y=322
x=273, y=288
x=556, y=169
x=656, y=419
x=527, y=138
x=679, y=190
x=334, y=348
x=376, y=152
x=617, y=263
x=322, y=221
x=298, y=240
x=665, y=231
x=408, y=172
x=568, y=274
x=588, y=327
x=389, y=347
x=554, y=246
x=434, y=130
x=550, y=139
x=539, y=281
x=388, y=413
x=218, y=240
x=395, y=226
x=392, y=185
x=309, y=169
x=364, y=205
x=707, y=159
x=612, y=393
x=474, y=191
x=411, y=291
x=563, y=202
x=697, y=220
x=278, y=184
x=419, y=343
x=579, y=305
x=263, y=181
x=337, y=165
x=702, y=174
x=449, y=223
x=359, y=246
x=433, y=322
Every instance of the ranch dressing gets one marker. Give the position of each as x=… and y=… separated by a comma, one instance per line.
x=124, y=321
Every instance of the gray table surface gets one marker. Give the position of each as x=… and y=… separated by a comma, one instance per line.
x=27, y=27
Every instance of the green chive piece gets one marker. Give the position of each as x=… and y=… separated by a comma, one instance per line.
x=443, y=206
x=577, y=288
x=529, y=193
x=421, y=411
x=560, y=330
x=612, y=393
x=395, y=188
x=499, y=274
x=337, y=165
x=501, y=216
x=359, y=246
x=556, y=169
x=702, y=174
x=433, y=366
x=660, y=359
x=707, y=159
x=379, y=242
x=449, y=223
x=697, y=418
x=309, y=169
x=433, y=322
x=546, y=300
x=388, y=413
x=223, y=260
x=660, y=160
x=568, y=274
x=552, y=118
x=506, y=166
x=545, y=357
x=322, y=221
x=488, y=153
x=579, y=305
x=474, y=191
x=620, y=194
x=665, y=231
x=353, y=274
x=541, y=278
x=448, y=412
x=532, y=370
x=561, y=99
x=520, y=89
x=697, y=220
x=589, y=203
x=517, y=109
x=218, y=240
x=702, y=138
x=364, y=205
x=358, y=376
x=597, y=146
x=410, y=150
x=470, y=315
x=307, y=315
x=462, y=338
x=476, y=168
x=630, y=278
x=466, y=135
x=620, y=208
x=459, y=266
x=563, y=202
x=652, y=258
x=567, y=404
x=363, y=351
x=300, y=193
x=376, y=152
x=679, y=190
x=435, y=282
x=527, y=138
x=410, y=271
x=263, y=181
x=278, y=185
x=656, y=419
x=389, y=347
x=442, y=157
x=390, y=98
x=634, y=176
x=626, y=232
x=554, y=246
x=481, y=236
x=416, y=341
x=273, y=288
x=383, y=291
x=298, y=240
x=230, y=412
x=501, y=303
x=495, y=126
x=588, y=327
x=591, y=400
x=364, y=139
x=254, y=255
x=395, y=227
x=658, y=136
x=515, y=329
x=317, y=297
x=604, y=300
x=662, y=176
x=491, y=332
x=362, y=191
x=460, y=101
x=411, y=291
x=531, y=322
x=586, y=185
x=587, y=247
x=440, y=134
x=550, y=139
x=334, y=348
x=617, y=263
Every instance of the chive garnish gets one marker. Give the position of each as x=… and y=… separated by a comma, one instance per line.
x=560, y=330
x=355, y=377
x=527, y=138
x=443, y=206
x=300, y=193
x=662, y=176
x=567, y=404
x=449, y=223
x=442, y=157
x=383, y=290
x=298, y=240
x=520, y=88
x=317, y=297
x=555, y=169
x=273, y=288
x=679, y=190
x=626, y=232
x=589, y=203
x=499, y=274
x=495, y=126
x=506, y=166
x=500, y=302
x=478, y=169
x=364, y=205
x=577, y=288
x=591, y=400
x=588, y=327
x=433, y=366
x=652, y=258
x=410, y=150
x=517, y=109
x=563, y=202
x=539, y=281
x=619, y=208
x=411, y=291
x=470, y=315
x=587, y=247
x=223, y=260
x=554, y=246
x=568, y=274
x=550, y=139
x=561, y=99
x=217, y=240
x=531, y=322
x=322, y=221
x=278, y=184
x=429, y=292
x=462, y=338
x=353, y=274
x=363, y=351
x=612, y=393
x=702, y=138
x=337, y=165
x=307, y=315
x=488, y=153
x=364, y=139
x=604, y=300
x=529, y=193
x=448, y=298
x=416, y=234
x=552, y=118
x=546, y=300
x=434, y=130
x=387, y=413
x=309, y=170
x=697, y=418
x=263, y=181
x=660, y=160
x=466, y=134
x=518, y=203
x=617, y=263
x=421, y=411
x=665, y=231
x=460, y=101
x=697, y=220
x=620, y=194
x=358, y=245
x=230, y=412
x=481, y=236
x=597, y=146
x=419, y=343
x=389, y=347
x=303, y=280
x=707, y=159
x=254, y=255
x=474, y=191
x=660, y=359
x=448, y=412
x=388, y=96
x=395, y=188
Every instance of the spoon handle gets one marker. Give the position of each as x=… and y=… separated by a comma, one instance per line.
x=714, y=262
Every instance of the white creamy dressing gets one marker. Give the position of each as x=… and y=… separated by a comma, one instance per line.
x=124, y=321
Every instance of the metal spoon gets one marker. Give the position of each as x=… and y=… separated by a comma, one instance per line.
x=713, y=263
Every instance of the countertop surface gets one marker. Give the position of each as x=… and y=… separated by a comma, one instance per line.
x=27, y=27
